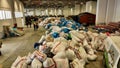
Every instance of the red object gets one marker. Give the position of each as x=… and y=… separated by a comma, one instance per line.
x=107, y=33
x=15, y=25
x=87, y=18
x=111, y=27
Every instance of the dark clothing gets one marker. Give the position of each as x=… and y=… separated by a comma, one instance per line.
x=35, y=26
x=15, y=25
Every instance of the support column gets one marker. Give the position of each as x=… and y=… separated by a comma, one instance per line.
x=12, y=12
x=110, y=11
x=116, y=16
x=101, y=11
x=65, y=11
x=91, y=7
x=34, y=12
x=83, y=8
x=77, y=9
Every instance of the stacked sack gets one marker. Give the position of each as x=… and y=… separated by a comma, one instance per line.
x=63, y=47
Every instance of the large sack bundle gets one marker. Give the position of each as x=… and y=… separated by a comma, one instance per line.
x=39, y=55
x=102, y=36
x=41, y=39
x=29, y=59
x=90, y=35
x=20, y=62
x=91, y=57
x=89, y=50
x=70, y=54
x=49, y=38
x=78, y=34
x=62, y=63
x=42, y=47
x=60, y=39
x=101, y=46
x=73, y=43
x=76, y=51
x=85, y=42
x=55, y=29
x=60, y=55
x=46, y=50
x=75, y=37
x=95, y=44
x=36, y=63
x=58, y=47
x=82, y=54
x=49, y=63
x=62, y=34
x=95, y=40
x=76, y=63
x=49, y=44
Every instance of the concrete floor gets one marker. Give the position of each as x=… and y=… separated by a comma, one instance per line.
x=13, y=47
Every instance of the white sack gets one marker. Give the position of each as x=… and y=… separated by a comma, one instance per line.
x=62, y=63
x=77, y=63
x=91, y=57
x=49, y=63
x=70, y=54
x=58, y=47
x=19, y=62
x=36, y=63
x=39, y=55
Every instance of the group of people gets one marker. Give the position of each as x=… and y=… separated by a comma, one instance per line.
x=32, y=20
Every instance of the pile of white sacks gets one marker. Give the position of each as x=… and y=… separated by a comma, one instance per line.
x=74, y=53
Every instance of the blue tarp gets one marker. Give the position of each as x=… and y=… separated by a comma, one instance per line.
x=48, y=26
x=55, y=35
x=65, y=30
x=74, y=26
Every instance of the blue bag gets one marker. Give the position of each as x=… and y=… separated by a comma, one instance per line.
x=55, y=35
x=65, y=30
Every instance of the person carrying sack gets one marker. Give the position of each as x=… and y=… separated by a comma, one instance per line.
x=0, y=47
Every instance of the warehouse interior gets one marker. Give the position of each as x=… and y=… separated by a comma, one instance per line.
x=50, y=33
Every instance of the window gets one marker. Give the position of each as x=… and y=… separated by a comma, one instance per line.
x=5, y=14
x=2, y=14
x=18, y=14
x=8, y=14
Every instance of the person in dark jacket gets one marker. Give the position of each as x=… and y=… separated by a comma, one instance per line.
x=0, y=47
x=34, y=25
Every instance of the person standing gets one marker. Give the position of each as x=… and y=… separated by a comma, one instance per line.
x=34, y=25
x=0, y=47
x=37, y=26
